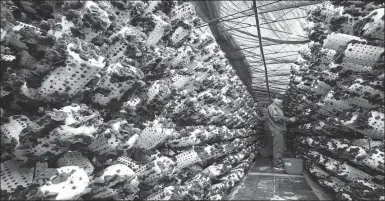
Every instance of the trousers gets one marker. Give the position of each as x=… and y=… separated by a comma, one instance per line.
x=275, y=145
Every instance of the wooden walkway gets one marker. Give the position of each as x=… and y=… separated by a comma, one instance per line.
x=264, y=183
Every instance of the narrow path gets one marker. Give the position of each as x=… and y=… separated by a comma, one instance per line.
x=264, y=183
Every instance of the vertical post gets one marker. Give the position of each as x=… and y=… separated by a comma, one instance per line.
x=261, y=47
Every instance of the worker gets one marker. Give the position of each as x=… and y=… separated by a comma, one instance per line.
x=275, y=129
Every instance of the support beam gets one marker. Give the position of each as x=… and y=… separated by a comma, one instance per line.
x=261, y=47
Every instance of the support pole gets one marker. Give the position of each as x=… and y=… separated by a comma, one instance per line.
x=261, y=47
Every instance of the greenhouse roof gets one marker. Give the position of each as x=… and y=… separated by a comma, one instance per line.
x=280, y=24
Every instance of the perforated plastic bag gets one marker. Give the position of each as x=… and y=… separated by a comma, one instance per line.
x=12, y=175
x=103, y=144
x=116, y=50
x=329, y=10
x=153, y=91
x=185, y=141
x=69, y=79
x=3, y=92
x=128, y=162
x=158, y=32
x=187, y=158
x=10, y=131
x=182, y=12
x=375, y=123
x=351, y=174
x=76, y=159
x=362, y=90
x=375, y=160
x=336, y=40
x=26, y=60
x=360, y=102
x=179, y=34
x=183, y=57
x=132, y=103
x=327, y=56
x=99, y=192
x=362, y=54
x=123, y=16
x=355, y=67
x=375, y=27
x=179, y=81
x=117, y=88
x=71, y=186
x=159, y=168
x=115, y=174
x=348, y=26
x=165, y=194
x=153, y=135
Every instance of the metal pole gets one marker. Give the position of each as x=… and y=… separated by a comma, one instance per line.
x=261, y=47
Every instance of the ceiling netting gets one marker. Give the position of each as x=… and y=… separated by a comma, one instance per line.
x=281, y=35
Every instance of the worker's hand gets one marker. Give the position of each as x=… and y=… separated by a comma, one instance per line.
x=292, y=119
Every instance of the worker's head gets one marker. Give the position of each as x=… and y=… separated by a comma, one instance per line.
x=277, y=99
